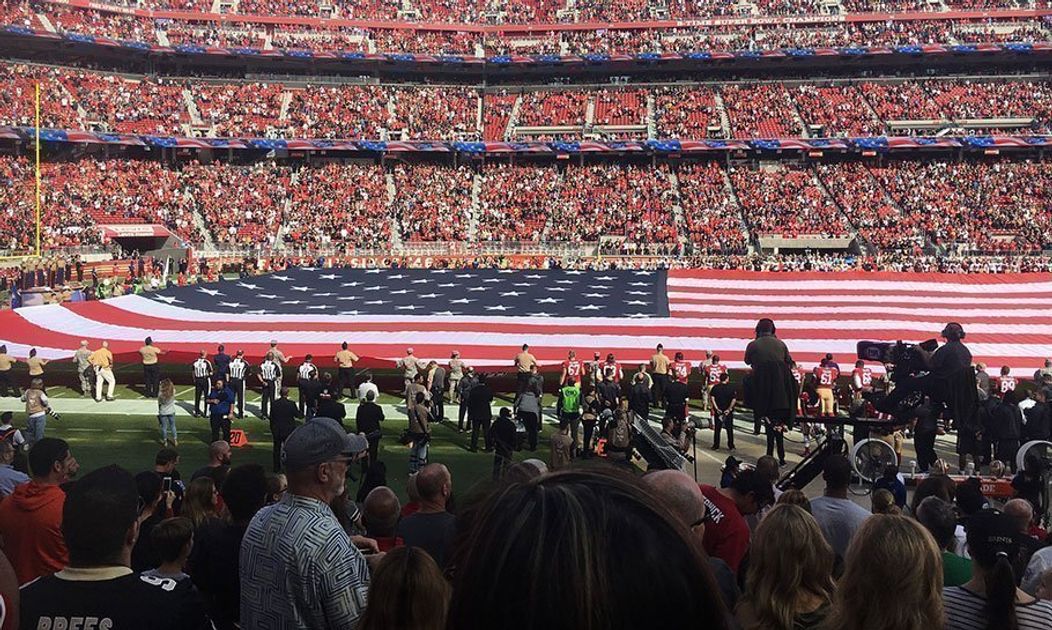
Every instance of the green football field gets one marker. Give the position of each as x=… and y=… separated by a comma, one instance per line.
x=102, y=434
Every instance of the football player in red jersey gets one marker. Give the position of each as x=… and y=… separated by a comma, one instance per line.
x=712, y=374
x=1006, y=382
x=680, y=368
x=826, y=377
x=571, y=369
x=861, y=380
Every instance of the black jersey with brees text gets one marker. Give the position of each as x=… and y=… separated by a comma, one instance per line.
x=128, y=602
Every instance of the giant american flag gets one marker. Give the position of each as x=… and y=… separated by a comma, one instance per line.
x=487, y=314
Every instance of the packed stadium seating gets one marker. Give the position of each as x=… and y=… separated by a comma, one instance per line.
x=713, y=220
x=760, y=111
x=346, y=111
x=975, y=206
x=433, y=203
x=898, y=206
x=869, y=209
x=323, y=210
x=710, y=206
x=406, y=36
x=77, y=99
x=785, y=200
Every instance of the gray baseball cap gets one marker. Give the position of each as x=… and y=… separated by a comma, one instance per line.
x=320, y=440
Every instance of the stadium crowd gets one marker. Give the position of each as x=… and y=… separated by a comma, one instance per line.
x=78, y=99
x=977, y=206
x=786, y=201
x=414, y=39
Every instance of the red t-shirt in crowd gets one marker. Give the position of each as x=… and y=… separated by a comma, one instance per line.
x=726, y=532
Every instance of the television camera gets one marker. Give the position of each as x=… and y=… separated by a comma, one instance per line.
x=906, y=364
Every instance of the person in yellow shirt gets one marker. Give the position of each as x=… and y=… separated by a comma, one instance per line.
x=36, y=366
x=151, y=371
x=345, y=369
x=6, y=361
x=659, y=363
x=102, y=359
x=524, y=362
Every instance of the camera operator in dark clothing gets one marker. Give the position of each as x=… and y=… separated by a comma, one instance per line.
x=502, y=437
x=950, y=383
x=1006, y=428
x=924, y=431
x=770, y=389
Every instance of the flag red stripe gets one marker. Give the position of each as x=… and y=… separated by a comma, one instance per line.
x=102, y=312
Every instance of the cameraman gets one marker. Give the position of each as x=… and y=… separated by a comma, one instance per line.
x=770, y=389
x=950, y=382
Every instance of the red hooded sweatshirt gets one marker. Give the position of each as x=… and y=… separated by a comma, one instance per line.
x=31, y=530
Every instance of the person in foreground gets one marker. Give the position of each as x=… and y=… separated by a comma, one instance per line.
x=408, y=590
x=98, y=589
x=789, y=584
x=610, y=554
x=892, y=579
x=990, y=600
x=298, y=566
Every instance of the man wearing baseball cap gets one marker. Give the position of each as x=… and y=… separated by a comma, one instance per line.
x=298, y=567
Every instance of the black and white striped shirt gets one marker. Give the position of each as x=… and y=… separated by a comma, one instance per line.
x=307, y=371
x=966, y=610
x=269, y=371
x=238, y=368
x=202, y=368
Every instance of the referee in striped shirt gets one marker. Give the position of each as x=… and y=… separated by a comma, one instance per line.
x=238, y=370
x=202, y=374
x=269, y=377
x=307, y=371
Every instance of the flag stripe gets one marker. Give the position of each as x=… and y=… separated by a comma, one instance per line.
x=738, y=329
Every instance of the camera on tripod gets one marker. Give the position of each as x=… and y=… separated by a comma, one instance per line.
x=903, y=362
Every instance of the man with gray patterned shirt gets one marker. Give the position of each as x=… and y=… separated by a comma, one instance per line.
x=298, y=566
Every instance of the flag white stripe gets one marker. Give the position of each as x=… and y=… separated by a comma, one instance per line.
x=954, y=314
x=145, y=306
x=763, y=299
x=62, y=320
x=951, y=286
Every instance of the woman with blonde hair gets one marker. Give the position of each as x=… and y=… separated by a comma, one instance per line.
x=789, y=585
x=202, y=501
x=892, y=578
x=166, y=411
x=883, y=502
x=407, y=591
